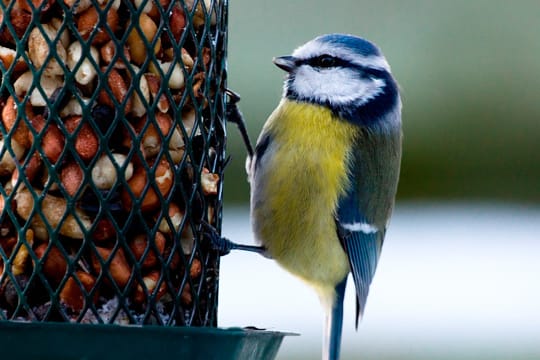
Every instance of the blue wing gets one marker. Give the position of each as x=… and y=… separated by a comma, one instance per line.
x=363, y=211
x=362, y=241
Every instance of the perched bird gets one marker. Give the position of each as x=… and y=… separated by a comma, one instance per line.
x=325, y=170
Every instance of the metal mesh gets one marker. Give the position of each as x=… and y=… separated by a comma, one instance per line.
x=111, y=158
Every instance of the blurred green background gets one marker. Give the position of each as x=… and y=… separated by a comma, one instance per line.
x=469, y=73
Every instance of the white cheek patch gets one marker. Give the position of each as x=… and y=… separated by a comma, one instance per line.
x=337, y=86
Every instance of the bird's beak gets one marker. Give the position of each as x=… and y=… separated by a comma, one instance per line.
x=286, y=63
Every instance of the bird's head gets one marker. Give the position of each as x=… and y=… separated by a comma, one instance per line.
x=346, y=73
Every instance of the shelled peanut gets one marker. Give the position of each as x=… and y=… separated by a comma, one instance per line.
x=94, y=133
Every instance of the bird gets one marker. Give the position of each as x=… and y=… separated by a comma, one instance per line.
x=324, y=173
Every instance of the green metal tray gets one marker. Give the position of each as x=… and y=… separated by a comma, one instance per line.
x=58, y=341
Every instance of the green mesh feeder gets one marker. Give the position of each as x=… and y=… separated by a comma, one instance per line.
x=111, y=166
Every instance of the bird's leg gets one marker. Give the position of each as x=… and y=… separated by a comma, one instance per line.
x=219, y=243
x=233, y=114
x=224, y=245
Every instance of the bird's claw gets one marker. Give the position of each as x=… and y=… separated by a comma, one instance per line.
x=234, y=115
x=217, y=243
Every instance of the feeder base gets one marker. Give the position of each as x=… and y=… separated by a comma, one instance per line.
x=58, y=341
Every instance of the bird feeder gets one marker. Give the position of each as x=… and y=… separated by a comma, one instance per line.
x=112, y=155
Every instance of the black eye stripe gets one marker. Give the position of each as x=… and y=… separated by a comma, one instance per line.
x=328, y=61
x=323, y=61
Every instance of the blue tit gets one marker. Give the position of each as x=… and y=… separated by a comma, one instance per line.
x=325, y=170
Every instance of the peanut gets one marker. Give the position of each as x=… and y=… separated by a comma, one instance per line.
x=52, y=142
x=72, y=294
x=7, y=58
x=150, y=200
x=119, y=88
x=140, y=244
x=7, y=161
x=87, y=24
x=150, y=285
x=104, y=173
x=53, y=264
x=71, y=177
x=209, y=182
x=86, y=70
x=54, y=209
x=117, y=265
x=138, y=47
x=10, y=114
x=40, y=53
x=86, y=140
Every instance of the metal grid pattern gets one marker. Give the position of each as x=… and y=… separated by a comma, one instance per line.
x=111, y=159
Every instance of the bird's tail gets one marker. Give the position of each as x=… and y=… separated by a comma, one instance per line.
x=334, y=325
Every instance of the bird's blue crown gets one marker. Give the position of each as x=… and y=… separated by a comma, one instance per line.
x=354, y=43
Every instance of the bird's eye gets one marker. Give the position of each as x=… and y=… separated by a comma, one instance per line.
x=325, y=61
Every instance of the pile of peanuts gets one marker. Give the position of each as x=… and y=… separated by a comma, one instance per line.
x=97, y=162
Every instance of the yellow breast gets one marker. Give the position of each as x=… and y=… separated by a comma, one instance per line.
x=303, y=175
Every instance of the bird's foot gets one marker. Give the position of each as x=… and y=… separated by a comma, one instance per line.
x=224, y=246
